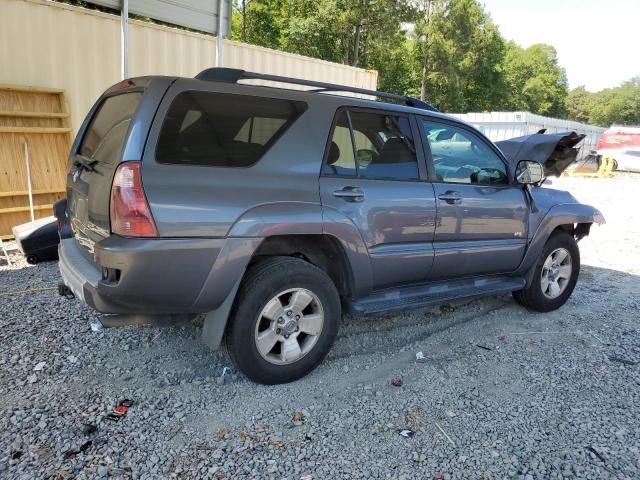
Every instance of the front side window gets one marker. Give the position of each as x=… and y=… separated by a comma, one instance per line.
x=382, y=147
x=460, y=156
x=104, y=138
x=223, y=130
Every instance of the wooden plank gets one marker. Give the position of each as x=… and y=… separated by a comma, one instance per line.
x=24, y=193
x=38, y=117
x=9, y=113
x=34, y=130
x=28, y=88
x=24, y=209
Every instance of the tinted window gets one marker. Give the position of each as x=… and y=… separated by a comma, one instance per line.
x=222, y=130
x=460, y=156
x=340, y=159
x=104, y=138
x=384, y=147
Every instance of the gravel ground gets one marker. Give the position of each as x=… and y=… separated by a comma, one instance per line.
x=503, y=393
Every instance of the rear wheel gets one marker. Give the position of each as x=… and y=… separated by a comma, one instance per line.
x=555, y=276
x=284, y=321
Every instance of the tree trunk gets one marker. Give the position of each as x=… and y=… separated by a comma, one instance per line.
x=425, y=72
x=244, y=21
x=425, y=59
x=365, y=50
x=356, y=47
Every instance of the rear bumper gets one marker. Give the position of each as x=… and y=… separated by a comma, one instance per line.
x=154, y=276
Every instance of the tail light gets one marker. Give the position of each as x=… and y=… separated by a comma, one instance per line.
x=129, y=209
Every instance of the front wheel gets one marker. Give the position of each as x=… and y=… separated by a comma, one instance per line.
x=284, y=322
x=555, y=275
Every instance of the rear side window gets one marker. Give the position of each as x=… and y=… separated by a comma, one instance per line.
x=105, y=135
x=372, y=145
x=223, y=130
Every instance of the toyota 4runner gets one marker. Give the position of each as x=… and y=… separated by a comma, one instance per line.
x=272, y=211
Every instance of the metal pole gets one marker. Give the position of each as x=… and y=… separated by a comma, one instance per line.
x=124, y=40
x=29, y=189
x=219, y=33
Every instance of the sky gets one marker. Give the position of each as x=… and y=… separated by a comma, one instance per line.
x=598, y=42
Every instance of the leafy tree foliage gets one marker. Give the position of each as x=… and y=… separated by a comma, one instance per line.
x=534, y=81
x=461, y=51
x=447, y=51
x=619, y=105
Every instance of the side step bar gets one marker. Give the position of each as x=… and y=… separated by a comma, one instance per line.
x=419, y=296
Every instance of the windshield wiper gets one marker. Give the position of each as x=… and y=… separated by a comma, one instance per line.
x=88, y=165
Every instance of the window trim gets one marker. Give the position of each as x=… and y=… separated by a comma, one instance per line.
x=429, y=157
x=420, y=154
x=303, y=107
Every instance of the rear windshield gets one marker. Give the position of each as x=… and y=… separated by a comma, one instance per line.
x=104, y=138
x=223, y=130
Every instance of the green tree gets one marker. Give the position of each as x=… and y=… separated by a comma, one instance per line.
x=460, y=51
x=534, y=81
x=619, y=105
x=363, y=33
x=258, y=22
x=579, y=104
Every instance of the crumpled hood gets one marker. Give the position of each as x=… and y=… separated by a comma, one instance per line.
x=555, y=151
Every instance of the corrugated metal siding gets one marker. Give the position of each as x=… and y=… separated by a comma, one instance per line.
x=48, y=44
x=503, y=125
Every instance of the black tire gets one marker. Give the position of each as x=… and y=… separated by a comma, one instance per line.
x=32, y=259
x=533, y=298
x=262, y=282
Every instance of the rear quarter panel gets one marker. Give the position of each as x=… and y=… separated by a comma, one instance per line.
x=202, y=201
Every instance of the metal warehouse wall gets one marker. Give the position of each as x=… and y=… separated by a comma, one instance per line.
x=48, y=44
x=504, y=125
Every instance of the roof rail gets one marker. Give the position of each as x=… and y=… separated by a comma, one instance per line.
x=233, y=75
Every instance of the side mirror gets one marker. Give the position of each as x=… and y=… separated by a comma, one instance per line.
x=529, y=172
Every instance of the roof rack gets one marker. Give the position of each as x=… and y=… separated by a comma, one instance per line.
x=233, y=75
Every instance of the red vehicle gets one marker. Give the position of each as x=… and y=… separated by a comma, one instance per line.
x=620, y=142
x=618, y=138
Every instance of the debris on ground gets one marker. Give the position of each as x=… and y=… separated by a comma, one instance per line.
x=122, y=408
x=445, y=434
x=153, y=338
x=406, y=432
x=596, y=453
x=96, y=325
x=420, y=358
x=483, y=347
x=297, y=418
x=277, y=442
x=81, y=449
x=396, y=382
x=624, y=361
x=223, y=378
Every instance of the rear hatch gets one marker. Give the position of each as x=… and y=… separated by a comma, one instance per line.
x=93, y=163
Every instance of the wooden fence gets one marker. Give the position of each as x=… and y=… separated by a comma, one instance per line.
x=34, y=125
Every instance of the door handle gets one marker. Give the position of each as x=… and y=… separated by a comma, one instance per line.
x=450, y=197
x=350, y=194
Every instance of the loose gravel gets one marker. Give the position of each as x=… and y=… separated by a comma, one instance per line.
x=501, y=393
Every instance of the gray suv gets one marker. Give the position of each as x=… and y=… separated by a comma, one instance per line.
x=271, y=211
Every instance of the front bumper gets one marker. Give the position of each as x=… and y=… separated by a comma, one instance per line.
x=141, y=276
